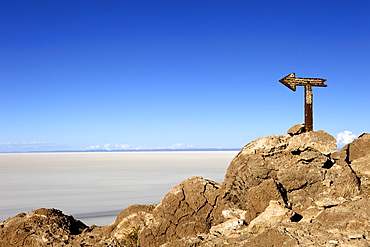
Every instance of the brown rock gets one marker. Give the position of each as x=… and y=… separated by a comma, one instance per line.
x=244, y=176
x=349, y=216
x=261, y=231
x=299, y=176
x=341, y=154
x=133, y=218
x=185, y=242
x=342, y=181
x=360, y=147
x=319, y=141
x=274, y=214
x=255, y=202
x=185, y=211
x=50, y=227
x=297, y=129
x=260, y=197
x=265, y=145
x=41, y=227
x=348, y=219
x=361, y=167
x=269, y=237
x=305, y=176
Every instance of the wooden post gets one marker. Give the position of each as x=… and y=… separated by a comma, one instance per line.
x=308, y=108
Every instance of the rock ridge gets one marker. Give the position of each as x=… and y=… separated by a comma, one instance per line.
x=281, y=190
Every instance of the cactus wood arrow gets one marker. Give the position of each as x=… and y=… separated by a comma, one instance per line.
x=291, y=82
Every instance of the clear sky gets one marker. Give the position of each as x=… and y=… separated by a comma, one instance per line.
x=113, y=74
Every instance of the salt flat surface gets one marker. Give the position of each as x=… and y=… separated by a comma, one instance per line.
x=95, y=186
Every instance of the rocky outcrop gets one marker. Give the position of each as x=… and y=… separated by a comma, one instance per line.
x=50, y=227
x=300, y=169
x=283, y=190
x=40, y=228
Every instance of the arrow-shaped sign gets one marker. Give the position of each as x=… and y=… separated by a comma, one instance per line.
x=291, y=81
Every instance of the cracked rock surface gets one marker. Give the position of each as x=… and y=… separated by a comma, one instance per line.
x=282, y=190
x=41, y=227
x=186, y=210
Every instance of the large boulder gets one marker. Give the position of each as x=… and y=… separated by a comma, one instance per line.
x=41, y=227
x=185, y=211
x=299, y=168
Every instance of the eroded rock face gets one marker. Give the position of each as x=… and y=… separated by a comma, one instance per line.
x=303, y=174
x=359, y=148
x=41, y=227
x=361, y=167
x=186, y=210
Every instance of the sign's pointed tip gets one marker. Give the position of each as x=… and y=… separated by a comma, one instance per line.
x=287, y=81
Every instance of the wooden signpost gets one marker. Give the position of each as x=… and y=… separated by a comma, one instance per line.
x=291, y=82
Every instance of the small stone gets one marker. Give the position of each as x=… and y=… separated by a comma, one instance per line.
x=296, y=129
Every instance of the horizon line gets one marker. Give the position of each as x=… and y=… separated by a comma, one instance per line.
x=128, y=150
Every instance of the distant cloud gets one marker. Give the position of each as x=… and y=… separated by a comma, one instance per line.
x=94, y=147
x=108, y=146
x=345, y=137
x=8, y=147
x=180, y=146
x=122, y=146
x=112, y=147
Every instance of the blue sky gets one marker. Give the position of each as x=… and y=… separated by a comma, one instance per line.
x=81, y=75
